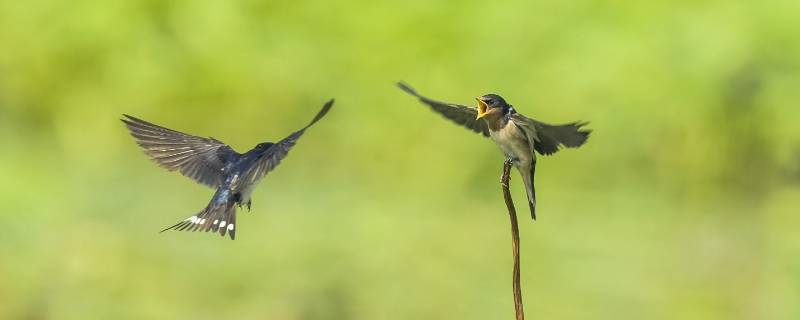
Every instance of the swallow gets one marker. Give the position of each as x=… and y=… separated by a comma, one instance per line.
x=517, y=136
x=213, y=163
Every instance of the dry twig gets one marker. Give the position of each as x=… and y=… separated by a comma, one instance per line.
x=512, y=214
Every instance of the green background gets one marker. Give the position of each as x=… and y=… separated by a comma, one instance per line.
x=682, y=205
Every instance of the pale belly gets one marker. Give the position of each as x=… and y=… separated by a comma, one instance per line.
x=513, y=144
x=242, y=187
x=247, y=192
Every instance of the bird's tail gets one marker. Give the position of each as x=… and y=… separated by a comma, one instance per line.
x=527, y=178
x=218, y=216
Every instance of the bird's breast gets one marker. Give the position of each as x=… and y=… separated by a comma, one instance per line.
x=513, y=143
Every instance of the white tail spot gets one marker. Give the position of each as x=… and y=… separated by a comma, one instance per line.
x=222, y=224
x=216, y=221
x=230, y=226
x=193, y=219
x=203, y=221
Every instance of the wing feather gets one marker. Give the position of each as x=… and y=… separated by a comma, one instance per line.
x=547, y=139
x=200, y=159
x=272, y=156
x=461, y=115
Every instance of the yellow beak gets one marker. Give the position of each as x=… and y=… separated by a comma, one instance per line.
x=481, y=108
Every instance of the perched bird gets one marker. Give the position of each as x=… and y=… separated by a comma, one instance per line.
x=215, y=164
x=516, y=135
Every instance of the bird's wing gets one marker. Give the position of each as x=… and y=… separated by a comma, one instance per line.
x=201, y=159
x=547, y=138
x=272, y=156
x=459, y=114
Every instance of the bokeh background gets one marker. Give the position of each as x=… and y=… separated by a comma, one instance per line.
x=683, y=204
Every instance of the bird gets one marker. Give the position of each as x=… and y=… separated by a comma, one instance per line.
x=211, y=162
x=518, y=137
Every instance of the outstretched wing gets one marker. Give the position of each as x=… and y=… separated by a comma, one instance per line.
x=547, y=138
x=201, y=159
x=459, y=114
x=272, y=156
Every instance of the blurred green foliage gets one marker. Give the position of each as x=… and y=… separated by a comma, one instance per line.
x=683, y=204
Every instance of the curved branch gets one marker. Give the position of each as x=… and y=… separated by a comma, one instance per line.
x=512, y=214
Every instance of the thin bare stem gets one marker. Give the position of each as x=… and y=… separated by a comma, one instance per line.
x=512, y=214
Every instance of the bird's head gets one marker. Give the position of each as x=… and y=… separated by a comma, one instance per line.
x=263, y=146
x=491, y=106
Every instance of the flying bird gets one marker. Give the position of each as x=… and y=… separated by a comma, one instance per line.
x=213, y=163
x=517, y=135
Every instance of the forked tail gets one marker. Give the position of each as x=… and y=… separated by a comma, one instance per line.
x=218, y=216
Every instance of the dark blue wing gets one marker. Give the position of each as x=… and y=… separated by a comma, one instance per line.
x=201, y=159
x=272, y=156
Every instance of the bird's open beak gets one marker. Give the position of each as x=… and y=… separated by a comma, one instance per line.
x=481, y=108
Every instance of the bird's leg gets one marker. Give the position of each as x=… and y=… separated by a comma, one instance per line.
x=249, y=202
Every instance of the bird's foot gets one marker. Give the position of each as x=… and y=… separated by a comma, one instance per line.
x=246, y=204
